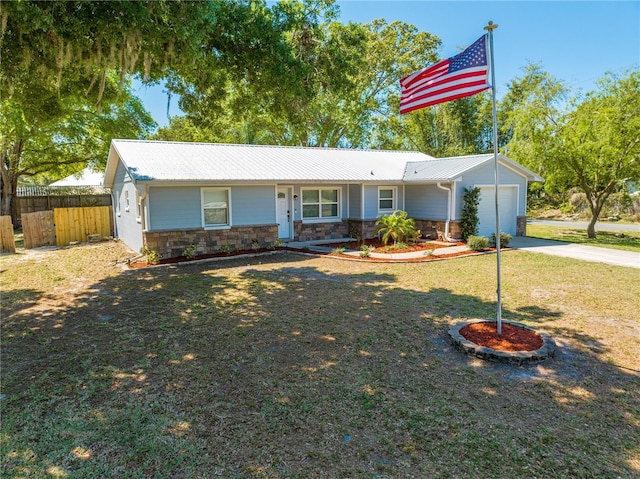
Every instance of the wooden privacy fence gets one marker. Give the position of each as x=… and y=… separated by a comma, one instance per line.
x=31, y=204
x=77, y=224
x=30, y=199
x=7, y=242
x=38, y=229
x=66, y=225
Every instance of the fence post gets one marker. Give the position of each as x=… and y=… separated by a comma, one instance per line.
x=7, y=241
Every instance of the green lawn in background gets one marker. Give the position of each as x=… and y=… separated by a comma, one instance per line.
x=624, y=240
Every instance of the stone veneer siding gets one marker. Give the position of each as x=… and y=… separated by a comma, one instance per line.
x=362, y=229
x=430, y=228
x=172, y=243
x=320, y=231
x=521, y=226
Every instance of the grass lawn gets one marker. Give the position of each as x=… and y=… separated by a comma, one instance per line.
x=624, y=240
x=291, y=366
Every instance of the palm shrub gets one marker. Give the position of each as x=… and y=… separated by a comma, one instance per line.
x=469, y=214
x=397, y=226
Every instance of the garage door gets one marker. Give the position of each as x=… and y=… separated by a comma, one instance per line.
x=508, y=201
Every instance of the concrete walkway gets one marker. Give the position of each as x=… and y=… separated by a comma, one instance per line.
x=570, y=250
x=323, y=246
x=556, y=248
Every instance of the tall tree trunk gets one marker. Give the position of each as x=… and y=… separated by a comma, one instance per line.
x=9, y=205
x=595, y=205
x=10, y=159
x=591, y=227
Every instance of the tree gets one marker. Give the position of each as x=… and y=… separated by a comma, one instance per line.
x=528, y=115
x=454, y=128
x=594, y=146
x=599, y=142
x=341, y=79
x=59, y=60
x=59, y=134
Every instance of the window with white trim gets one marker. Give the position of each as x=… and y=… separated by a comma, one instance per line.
x=387, y=198
x=320, y=203
x=215, y=207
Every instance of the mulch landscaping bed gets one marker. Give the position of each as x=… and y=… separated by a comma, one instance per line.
x=378, y=246
x=143, y=263
x=513, y=338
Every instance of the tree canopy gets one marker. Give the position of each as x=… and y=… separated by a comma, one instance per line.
x=66, y=67
x=345, y=80
x=592, y=142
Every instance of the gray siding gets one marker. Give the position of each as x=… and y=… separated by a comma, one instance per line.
x=174, y=208
x=181, y=207
x=402, y=203
x=128, y=223
x=371, y=211
x=426, y=202
x=355, y=202
x=253, y=205
x=370, y=202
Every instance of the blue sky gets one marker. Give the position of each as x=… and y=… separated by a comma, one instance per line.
x=576, y=41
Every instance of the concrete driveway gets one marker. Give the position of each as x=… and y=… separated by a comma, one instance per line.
x=570, y=250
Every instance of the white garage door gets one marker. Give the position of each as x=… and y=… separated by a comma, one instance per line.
x=508, y=201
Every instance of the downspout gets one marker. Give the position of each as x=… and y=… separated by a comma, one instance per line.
x=446, y=224
x=143, y=220
x=143, y=212
x=362, y=210
x=114, y=207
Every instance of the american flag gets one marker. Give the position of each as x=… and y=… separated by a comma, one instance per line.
x=460, y=76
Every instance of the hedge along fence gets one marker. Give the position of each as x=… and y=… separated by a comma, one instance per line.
x=7, y=242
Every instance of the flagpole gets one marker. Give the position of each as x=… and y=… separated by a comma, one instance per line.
x=490, y=28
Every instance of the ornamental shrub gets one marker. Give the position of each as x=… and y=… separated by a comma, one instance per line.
x=153, y=256
x=189, y=252
x=469, y=214
x=504, y=239
x=477, y=243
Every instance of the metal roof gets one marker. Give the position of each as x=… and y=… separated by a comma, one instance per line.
x=207, y=162
x=448, y=169
x=175, y=161
x=86, y=177
x=443, y=169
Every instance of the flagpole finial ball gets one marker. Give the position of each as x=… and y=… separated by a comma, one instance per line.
x=491, y=26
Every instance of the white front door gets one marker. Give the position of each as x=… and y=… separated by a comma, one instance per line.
x=283, y=216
